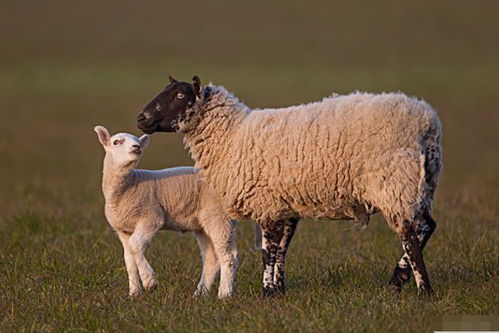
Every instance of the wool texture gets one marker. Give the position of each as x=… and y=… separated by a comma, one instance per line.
x=360, y=152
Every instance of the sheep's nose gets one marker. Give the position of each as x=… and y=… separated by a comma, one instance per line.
x=136, y=146
x=141, y=116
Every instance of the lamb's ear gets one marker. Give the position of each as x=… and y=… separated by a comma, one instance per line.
x=172, y=80
x=196, y=84
x=103, y=135
x=144, y=140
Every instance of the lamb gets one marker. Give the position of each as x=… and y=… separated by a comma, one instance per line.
x=138, y=203
x=345, y=157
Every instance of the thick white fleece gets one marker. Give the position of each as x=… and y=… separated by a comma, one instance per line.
x=319, y=160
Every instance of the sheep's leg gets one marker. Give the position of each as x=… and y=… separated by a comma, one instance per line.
x=210, y=264
x=224, y=241
x=289, y=231
x=258, y=237
x=402, y=272
x=135, y=284
x=272, y=235
x=138, y=243
x=412, y=248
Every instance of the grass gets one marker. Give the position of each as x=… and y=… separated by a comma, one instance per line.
x=61, y=267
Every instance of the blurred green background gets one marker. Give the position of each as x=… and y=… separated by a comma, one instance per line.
x=66, y=66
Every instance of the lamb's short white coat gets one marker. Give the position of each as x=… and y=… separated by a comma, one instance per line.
x=138, y=203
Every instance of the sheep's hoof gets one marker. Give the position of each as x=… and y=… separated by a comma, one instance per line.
x=200, y=292
x=225, y=295
x=395, y=284
x=425, y=291
x=269, y=292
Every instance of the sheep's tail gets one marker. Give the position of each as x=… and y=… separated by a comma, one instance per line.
x=431, y=162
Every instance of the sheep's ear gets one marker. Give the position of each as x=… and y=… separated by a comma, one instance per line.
x=196, y=84
x=103, y=135
x=144, y=140
x=172, y=80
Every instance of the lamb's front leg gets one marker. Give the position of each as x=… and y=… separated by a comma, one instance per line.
x=138, y=243
x=135, y=284
x=224, y=240
x=210, y=264
x=289, y=231
x=272, y=235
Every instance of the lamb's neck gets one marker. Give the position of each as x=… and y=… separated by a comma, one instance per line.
x=208, y=140
x=115, y=182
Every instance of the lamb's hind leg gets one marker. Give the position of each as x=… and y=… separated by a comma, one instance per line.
x=210, y=264
x=272, y=235
x=289, y=231
x=402, y=272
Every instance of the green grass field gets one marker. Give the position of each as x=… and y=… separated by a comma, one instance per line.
x=65, y=68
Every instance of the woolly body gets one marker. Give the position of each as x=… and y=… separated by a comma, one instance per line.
x=320, y=160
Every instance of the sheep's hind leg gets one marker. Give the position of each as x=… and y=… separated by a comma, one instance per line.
x=289, y=231
x=272, y=235
x=210, y=264
x=135, y=284
x=402, y=272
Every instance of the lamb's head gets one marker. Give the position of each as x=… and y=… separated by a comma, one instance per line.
x=123, y=150
x=169, y=107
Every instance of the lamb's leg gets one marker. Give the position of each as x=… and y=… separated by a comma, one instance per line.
x=138, y=243
x=134, y=281
x=258, y=237
x=412, y=248
x=289, y=231
x=402, y=272
x=272, y=235
x=210, y=264
x=224, y=241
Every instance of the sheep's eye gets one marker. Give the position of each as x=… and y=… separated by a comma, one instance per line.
x=158, y=107
x=180, y=95
x=116, y=142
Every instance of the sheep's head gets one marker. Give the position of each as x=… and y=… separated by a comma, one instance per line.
x=169, y=107
x=122, y=149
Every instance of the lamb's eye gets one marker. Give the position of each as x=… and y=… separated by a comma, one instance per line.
x=157, y=107
x=116, y=142
x=180, y=95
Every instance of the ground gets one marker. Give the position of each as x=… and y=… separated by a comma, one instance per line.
x=61, y=267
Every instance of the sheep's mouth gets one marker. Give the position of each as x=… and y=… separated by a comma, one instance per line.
x=136, y=151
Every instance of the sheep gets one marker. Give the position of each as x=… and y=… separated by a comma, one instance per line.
x=344, y=157
x=138, y=203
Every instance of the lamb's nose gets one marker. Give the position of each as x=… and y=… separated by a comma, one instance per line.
x=136, y=146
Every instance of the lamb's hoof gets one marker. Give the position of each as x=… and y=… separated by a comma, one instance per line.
x=150, y=284
x=222, y=295
x=135, y=292
x=200, y=292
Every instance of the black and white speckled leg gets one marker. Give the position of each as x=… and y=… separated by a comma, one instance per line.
x=289, y=231
x=272, y=235
x=411, y=245
x=402, y=272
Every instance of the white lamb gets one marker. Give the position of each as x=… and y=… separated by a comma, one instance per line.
x=345, y=157
x=141, y=202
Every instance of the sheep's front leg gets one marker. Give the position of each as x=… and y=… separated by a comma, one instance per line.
x=210, y=264
x=272, y=235
x=402, y=272
x=138, y=243
x=135, y=284
x=289, y=231
x=258, y=237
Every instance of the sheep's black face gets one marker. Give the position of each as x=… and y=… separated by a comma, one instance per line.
x=164, y=112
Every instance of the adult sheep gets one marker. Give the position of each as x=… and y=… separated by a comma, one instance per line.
x=345, y=157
